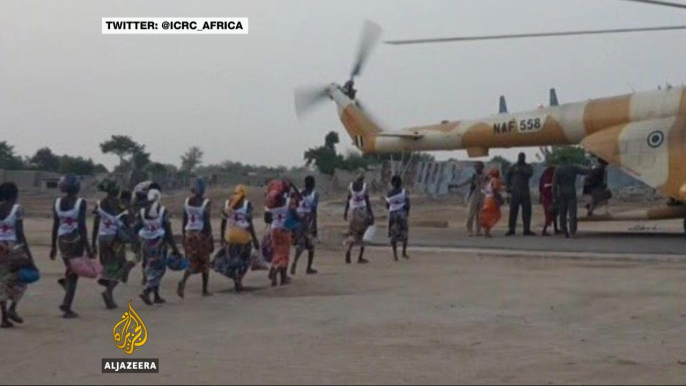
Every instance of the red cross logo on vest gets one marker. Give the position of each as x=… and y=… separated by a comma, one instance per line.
x=108, y=223
x=69, y=221
x=5, y=228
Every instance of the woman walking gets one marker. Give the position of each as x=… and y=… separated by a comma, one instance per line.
x=307, y=231
x=490, y=213
x=197, y=237
x=239, y=239
x=70, y=236
x=110, y=222
x=14, y=253
x=398, y=204
x=545, y=189
x=156, y=236
x=361, y=219
x=282, y=216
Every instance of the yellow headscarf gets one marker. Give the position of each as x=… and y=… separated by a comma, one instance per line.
x=238, y=194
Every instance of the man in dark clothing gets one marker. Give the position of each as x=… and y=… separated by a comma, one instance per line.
x=595, y=186
x=564, y=193
x=517, y=182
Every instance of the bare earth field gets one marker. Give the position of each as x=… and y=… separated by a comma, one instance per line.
x=445, y=316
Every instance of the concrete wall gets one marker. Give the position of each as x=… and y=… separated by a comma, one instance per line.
x=27, y=180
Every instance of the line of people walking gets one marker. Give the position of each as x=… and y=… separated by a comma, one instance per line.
x=139, y=221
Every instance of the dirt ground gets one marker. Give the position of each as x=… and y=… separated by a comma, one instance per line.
x=441, y=317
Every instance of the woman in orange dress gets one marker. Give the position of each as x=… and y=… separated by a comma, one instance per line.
x=490, y=213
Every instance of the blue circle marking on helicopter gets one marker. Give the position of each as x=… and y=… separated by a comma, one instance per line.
x=656, y=139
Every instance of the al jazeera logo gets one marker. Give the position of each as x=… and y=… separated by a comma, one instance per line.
x=130, y=334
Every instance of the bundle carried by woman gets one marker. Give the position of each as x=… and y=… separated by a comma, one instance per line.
x=275, y=192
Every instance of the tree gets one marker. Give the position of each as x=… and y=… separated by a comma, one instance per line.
x=191, y=159
x=8, y=159
x=140, y=159
x=132, y=156
x=331, y=140
x=324, y=159
x=156, y=168
x=100, y=169
x=45, y=159
x=353, y=162
x=565, y=155
x=502, y=161
x=78, y=165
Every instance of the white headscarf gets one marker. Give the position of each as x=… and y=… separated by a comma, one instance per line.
x=154, y=196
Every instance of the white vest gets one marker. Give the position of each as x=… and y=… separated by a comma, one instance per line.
x=109, y=223
x=238, y=218
x=307, y=203
x=488, y=190
x=69, y=220
x=8, y=226
x=357, y=198
x=397, y=202
x=279, y=215
x=196, y=216
x=152, y=228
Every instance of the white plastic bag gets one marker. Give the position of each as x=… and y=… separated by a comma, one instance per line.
x=369, y=234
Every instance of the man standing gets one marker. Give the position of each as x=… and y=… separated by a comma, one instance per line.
x=517, y=182
x=475, y=198
x=595, y=186
x=564, y=193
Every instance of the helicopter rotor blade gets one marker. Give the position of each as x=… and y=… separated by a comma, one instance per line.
x=534, y=35
x=371, y=34
x=306, y=98
x=661, y=3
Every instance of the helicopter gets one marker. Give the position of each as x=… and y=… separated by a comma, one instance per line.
x=642, y=134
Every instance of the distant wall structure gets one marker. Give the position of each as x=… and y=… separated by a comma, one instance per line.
x=435, y=178
x=30, y=180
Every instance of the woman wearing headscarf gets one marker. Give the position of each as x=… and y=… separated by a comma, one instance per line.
x=398, y=204
x=307, y=232
x=70, y=235
x=490, y=213
x=281, y=206
x=238, y=239
x=198, y=243
x=545, y=190
x=14, y=253
x=362, y=216
x=138, y=201
x=110, y=222
x=155, y=233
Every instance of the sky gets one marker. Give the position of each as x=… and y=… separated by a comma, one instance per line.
x=66, y=86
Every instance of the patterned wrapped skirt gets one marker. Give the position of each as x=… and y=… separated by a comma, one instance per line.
x=234, y=262
x=70, y=246
x=12, y=257
x=198, y=248
x=113, y=258
x=359, y=222
x=304, y=235
x=154, y=254
x=281, y=245
x=398, y=228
